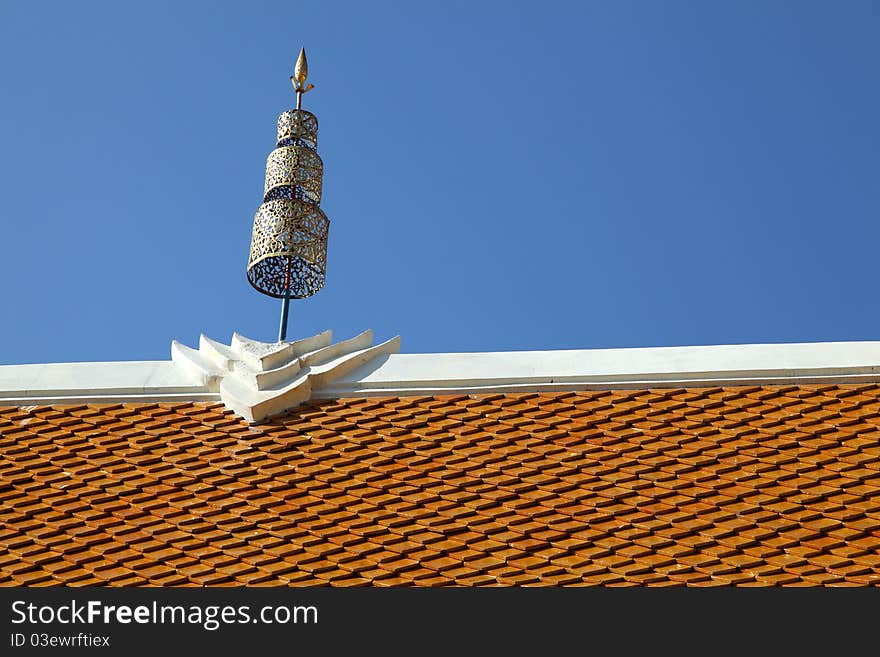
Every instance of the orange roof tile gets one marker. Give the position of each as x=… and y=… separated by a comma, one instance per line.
x=757, y=486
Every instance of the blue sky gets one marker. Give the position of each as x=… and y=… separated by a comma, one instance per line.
x=498, y=176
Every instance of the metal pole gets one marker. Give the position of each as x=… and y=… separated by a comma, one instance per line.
x=285, y=308
x=285, y=302
x=285, y=305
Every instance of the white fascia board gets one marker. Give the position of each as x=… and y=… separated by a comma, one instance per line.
x=56, y=383
x=450, y=373
x=827, y=362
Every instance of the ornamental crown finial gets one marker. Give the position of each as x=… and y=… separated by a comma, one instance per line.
x=288, y=258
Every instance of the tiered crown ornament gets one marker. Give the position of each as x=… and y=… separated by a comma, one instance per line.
x=289, y=245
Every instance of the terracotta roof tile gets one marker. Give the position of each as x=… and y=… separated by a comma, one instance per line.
x=758, y=486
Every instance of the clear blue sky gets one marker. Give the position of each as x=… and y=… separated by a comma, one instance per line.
x=498, y=175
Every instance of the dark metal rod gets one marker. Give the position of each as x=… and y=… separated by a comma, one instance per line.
x=285, y=309
x=285, y=302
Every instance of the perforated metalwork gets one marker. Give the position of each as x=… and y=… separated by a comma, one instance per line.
x=298, y=127
x=288, y=255
x=296, y=167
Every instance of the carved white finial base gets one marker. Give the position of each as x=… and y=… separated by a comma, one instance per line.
x=259, y=380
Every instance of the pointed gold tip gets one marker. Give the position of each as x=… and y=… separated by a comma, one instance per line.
x=301, y=70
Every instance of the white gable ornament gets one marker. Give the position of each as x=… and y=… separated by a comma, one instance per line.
x=259, y=380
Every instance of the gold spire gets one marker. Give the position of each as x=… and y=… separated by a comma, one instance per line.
x=300, y=73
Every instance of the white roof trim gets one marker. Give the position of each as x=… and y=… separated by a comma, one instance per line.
x=65, y=383
x=258, y=379
x=724, y=365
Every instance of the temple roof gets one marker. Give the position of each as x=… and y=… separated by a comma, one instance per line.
x=749, y=485
x=347, y=463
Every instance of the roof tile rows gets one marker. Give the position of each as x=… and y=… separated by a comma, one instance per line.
x=752, y=486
